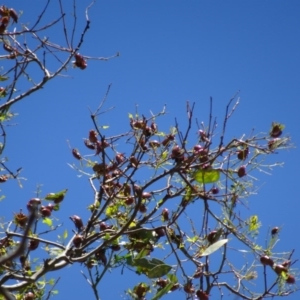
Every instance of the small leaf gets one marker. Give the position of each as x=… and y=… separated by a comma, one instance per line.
x=130, y=116
x=206, y=176
x=56, y=197
x=253, y=223
x=3, y=78
x=214, y=247
x=47, y=221
x=105, y=127
x=65, y=234
x=111, y=211
x=164, y=155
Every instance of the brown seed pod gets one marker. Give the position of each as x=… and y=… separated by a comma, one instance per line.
x=266, y=261
x=29, y=296
x=143, y=208
x=13, y=15
x=89, y=145
x=243, y=154
x=188, y=288
x=80, y=62
x=77, y=240
x=133, y=161
x=33, y=245
x=202, y=295
x=161, y=282
x=146, y=195
x=276, y=130
x=154, y=144
x=3, y=178
x=165, y=214
x=45, y=212
x=129, y=200
x=77, y=222
x=20, y=219
x=241, y=171
x=76, y=154
x=274, y=230
x=291, y=279
x=279, y=269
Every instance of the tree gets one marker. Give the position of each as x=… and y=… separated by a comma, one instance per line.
x=145, y=183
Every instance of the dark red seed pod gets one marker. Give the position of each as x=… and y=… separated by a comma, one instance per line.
x=13, y=15
x=77, y=222
x=89, y=145
x=76, y=154
x=241, y=171
x=33, y=245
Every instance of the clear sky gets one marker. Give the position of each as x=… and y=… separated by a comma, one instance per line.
x=171, y=52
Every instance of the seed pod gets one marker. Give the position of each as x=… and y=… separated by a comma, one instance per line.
x=77, y=222
x=274, y=231
x=133, y=161
x=127, y=189
x=153, y=127
x=168, y=139
x=146, y=195
x=77, y=240
x=76, y=154
x=46, y=212
x=188, y=288
x=3, y=178
x=154, y=144
x=20, y=219
x=266, y=261
x=7, y=47
x=13, y=15
x=211, y=237
x=243, y=154
x=241, y=171
x=161, y=282
x=165, y=214
x=33, y=203
x=120, y=158
x=143, y=208
x=279, y=269
x=89, y=145
x=202, y=295
x=291, y=279
x=129, y=200
x=80, y=62
x=33, y=245
x=276, y=130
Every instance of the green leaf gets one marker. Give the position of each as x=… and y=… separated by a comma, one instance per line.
x=111, y=211
x=3, y=78
x=153, y=268
x=164, y=155
x=47, y=221
x=206, y=176
x=172, y=278
x=214, y=247
x=253, y=223
x=159, y=271
x=65, y=235
x=130, y=116
x=163, y=291
x=56, y=197
x=105, y=127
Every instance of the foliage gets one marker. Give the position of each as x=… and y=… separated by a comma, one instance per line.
x=139, y=215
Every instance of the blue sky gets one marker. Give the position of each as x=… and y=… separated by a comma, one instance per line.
x=171, y=52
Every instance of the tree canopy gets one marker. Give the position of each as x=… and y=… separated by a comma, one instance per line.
x=145, y=183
